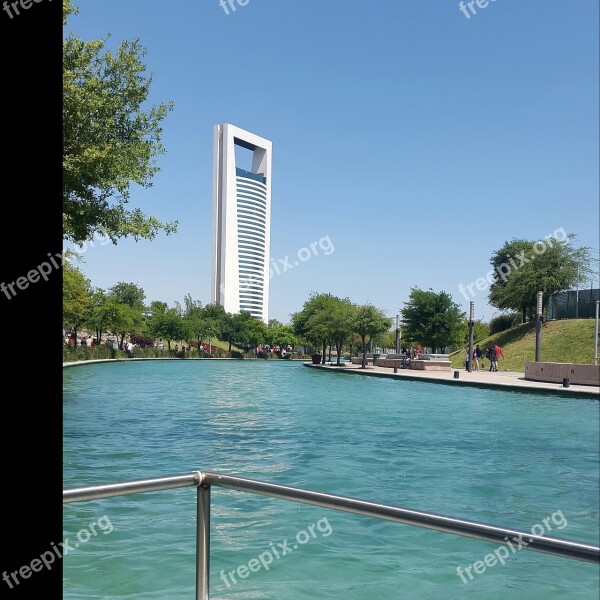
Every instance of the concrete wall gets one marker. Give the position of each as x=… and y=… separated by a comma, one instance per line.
x=556, y=372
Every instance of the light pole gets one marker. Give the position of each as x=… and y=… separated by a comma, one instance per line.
x=596, y=334
x=397, y=334
x=471, y=327
x=577, y=296
x=538, y=327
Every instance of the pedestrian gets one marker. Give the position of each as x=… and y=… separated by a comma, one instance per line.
x=499, y=354
x=477, y=356
x=493, y=365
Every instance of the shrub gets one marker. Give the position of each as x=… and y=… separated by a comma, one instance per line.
x=142, y=341
x=148, y=353
x=504, y=321
x=236, y=354
x=101, y=352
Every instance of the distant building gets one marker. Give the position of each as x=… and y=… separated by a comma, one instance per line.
x=241, y=223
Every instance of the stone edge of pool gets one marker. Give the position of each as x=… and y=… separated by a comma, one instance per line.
x=513, y=382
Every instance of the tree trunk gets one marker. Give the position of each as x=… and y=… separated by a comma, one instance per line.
x=230, y=347
x=324, y=353
x=524, y=315
x=169, y=345
x=329, y=352
x=338, y=347
x=364, y=349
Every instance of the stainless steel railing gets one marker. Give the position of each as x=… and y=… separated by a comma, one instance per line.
x=204, y=481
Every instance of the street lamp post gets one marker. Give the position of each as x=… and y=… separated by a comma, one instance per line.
x=596, y=333
x=577, y=296
x=538, y=327
x=471, y=327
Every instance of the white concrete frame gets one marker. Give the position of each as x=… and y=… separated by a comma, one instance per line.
x=225, y=284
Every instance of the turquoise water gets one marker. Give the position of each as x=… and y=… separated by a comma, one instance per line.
x=505, y=458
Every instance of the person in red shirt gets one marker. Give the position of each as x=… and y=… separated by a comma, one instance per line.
x=499, y=353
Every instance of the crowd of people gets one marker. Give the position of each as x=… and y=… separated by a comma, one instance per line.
x=262, y=350
x=282, y=351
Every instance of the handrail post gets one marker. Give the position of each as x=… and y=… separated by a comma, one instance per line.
x=203, y=542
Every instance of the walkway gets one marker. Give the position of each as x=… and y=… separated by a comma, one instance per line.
x=501, y=379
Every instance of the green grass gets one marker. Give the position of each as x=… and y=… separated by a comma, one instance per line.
x=570, y=341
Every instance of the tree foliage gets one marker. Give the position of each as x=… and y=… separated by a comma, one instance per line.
x=76, y=297
x=313, y=323
x=433, y=319
x=369, y=322
x=128, y=293
x=523, y=268
x=281, y=335
x=110, y=139
x=168, y=326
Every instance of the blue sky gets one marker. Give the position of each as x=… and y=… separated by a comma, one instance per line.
x=418, y=141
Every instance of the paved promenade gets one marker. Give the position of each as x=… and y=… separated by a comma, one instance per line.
x=500, y=379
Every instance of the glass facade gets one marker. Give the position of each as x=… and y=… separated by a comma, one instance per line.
x=252, y=231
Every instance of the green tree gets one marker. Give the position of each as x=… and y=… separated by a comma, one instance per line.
x=168, y=326
x=368, y=323
x=481, y=330
x=199, y=324
x=254, y=333
x=128, y=293
x=433, y=319
x=124, y=320
x=76, y=297
x=111, y=139
x=523, y=268
x=227, y=328
x=342, y=318
x=158, y=307
x=312, y=323
x=281, y=335
x=245, y=330
x=102, y=312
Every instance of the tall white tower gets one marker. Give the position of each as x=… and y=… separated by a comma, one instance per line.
x=241, y=223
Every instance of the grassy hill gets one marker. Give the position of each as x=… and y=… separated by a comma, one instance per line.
x=562, y=341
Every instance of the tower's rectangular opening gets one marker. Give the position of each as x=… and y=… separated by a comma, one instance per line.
x=243, y=157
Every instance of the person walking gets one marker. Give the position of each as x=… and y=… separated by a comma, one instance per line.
x=477, y=356
x=491, y=355
x=499, y=354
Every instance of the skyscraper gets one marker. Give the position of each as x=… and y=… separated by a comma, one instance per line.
x=241, y=223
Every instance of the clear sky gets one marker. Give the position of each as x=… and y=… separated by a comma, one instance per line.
x=409, y=140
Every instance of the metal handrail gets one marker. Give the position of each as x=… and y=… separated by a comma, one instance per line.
x=205, y=480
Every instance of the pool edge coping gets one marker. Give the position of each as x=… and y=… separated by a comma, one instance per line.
x=565, y=393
